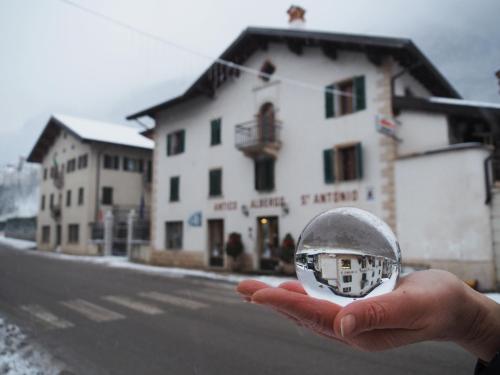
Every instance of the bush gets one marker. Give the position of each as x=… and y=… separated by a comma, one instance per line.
x=234, y=245
x=287, y=249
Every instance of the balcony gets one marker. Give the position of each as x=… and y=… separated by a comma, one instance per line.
x=258, y=138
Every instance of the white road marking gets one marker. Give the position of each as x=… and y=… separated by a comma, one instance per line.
x=207, y=296
x=174, y=300
x=134, y=304
x=92, y=311
x=46, y=316
x=216, y=285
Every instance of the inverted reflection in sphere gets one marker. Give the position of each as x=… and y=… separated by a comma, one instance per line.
x=346, y=254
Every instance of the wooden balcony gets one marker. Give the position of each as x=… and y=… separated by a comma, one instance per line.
x=257, y=139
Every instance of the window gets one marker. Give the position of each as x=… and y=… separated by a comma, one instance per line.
x=68, y=198
x=267, y=69
x=174, y=189
x=52, y=172
x=82, y=161
x=215, y=132
x=363, y=276
x=215, y=183
x=175, y=142
x=132, y=165
x=71, y=165
x=343, y=163
x=51, y=200
x=354, y=99
x=107, y=195
x=44, y=173
x=42, y=205
x=73, y=233
x=345, y=264
x=347, y=278
x=46, y=234
x=173, y=238
x=346, y=290
x=80, y=196
x=111, y=162
x=264, y=174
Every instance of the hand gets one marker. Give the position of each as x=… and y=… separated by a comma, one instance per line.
x=426, y=305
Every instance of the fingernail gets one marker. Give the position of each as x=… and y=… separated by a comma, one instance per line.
x=347, y=325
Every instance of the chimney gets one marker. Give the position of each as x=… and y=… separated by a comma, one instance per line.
x=296, y=16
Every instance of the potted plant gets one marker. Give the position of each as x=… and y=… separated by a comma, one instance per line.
x=234, y=249
x=287, y=254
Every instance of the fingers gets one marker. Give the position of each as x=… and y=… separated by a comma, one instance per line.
x=248, y=287
x=293, y=286
x=396, y=310
x=315, y=314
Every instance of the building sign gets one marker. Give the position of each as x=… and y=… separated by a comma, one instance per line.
x=330, y=197
x=226, y=206
x=267, y=202
x=385, y=126
x=195, y=219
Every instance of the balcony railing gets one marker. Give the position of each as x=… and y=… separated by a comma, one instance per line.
x=257, y=138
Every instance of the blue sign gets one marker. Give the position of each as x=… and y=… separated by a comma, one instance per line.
x=195, y=219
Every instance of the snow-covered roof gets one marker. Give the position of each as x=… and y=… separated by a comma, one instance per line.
x=99, y=131
x=87, y=130
x=470, y=103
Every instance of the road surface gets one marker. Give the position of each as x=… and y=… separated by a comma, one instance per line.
x=99, y=320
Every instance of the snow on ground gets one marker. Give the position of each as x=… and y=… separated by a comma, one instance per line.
x=18, y=356
x=18, y=244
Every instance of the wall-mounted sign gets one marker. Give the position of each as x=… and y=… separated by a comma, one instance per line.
x=386, y=126
x=195, y=219
x=330, y=197
x=267, y=202
x=225, y=206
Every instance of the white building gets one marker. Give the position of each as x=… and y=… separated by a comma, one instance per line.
x=262, y=155
x=88, y=168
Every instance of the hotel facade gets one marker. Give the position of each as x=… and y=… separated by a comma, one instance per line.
x=331, y=120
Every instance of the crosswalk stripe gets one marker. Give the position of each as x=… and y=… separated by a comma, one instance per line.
x=212, y=284
x=92, y=311
x=46, y=316
x=220, y=292
x=173, y=300
x=134, y=305
x=207, y=296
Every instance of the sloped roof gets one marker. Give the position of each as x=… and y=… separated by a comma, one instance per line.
x=88, y=131
x=254, y=38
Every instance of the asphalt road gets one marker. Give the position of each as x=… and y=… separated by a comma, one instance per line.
x=98, y=320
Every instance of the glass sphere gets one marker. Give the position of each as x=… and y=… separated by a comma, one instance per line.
x=347, y=254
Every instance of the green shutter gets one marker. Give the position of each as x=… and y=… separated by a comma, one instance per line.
x=269, y=174
x=359, y=91
x=256, y=175
x=215, y=182
x=169, y=143
x=359, y=161
x=174, y=189
x=329, y=165
x=182, y=137
x=215, y=137
x=329, y=102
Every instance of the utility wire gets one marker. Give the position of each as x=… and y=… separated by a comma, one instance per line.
x=212, y=59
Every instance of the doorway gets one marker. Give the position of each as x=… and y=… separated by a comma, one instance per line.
x=216, y=243
x=268, y=242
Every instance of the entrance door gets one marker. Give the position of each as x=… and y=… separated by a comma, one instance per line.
x=268, y=242
x=216, y=243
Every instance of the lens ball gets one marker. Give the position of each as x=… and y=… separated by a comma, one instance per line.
x=347, y=254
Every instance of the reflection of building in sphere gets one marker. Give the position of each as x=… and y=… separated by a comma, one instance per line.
x=349, y=275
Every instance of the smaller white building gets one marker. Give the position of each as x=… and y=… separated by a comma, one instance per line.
x=89, y=168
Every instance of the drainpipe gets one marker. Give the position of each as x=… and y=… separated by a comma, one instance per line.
x=97, y=185
x=488, y=178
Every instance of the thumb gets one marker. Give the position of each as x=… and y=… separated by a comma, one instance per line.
x=391, y=311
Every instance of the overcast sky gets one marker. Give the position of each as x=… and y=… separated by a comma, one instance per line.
x=55, y=58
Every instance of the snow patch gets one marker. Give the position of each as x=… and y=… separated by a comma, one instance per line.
x=18, y=356
x=18, y=244
x=494, y=296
